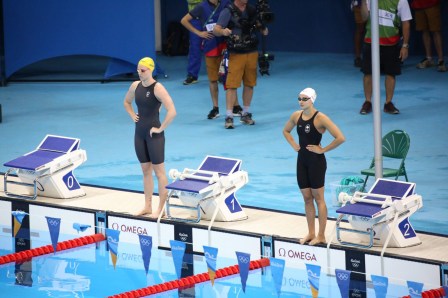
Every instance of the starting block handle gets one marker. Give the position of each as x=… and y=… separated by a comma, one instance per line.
x=360, y=197
x=366, y=194
x=191, y=174
x=386, y=203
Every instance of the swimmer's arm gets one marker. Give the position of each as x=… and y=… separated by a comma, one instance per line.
x=129, y=97
x=164, y=97
x=289, y=126
x=337, y=134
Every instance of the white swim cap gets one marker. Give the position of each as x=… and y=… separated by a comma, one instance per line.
x=309, y=92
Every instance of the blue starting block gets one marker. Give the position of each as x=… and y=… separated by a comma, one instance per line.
x=381, y=216
x=48, y=170
x=209, y=191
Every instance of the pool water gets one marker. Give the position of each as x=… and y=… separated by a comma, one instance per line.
x=88, y=271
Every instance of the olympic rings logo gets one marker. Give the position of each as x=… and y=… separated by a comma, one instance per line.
x=145, y=242
x=53, y=222
x=355, y=263
x=183, y=236
x=243, y=260
x=342, y=276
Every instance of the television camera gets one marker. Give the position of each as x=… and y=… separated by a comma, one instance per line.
x=265, y=16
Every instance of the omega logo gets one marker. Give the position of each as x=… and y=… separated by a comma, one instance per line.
x=297, y=254
x=129, y=229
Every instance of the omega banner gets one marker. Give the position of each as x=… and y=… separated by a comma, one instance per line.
x=296, y=256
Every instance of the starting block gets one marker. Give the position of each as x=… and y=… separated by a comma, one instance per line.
x=48, y=170
x=381, y=216
x=208, y=192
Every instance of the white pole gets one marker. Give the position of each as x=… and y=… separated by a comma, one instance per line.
x=376, y=95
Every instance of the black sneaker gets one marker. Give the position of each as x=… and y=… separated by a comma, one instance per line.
x=247, y=119
x=366, y=108
x=190, y=80
x=441, y=67
x=228, y=124
x=237, y=111
x=214, y=113
x=390, y=108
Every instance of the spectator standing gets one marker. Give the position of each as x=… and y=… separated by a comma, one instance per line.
x=207, y=12
x=194, y=50
x=238, y=22
x=392, y=51
x=428, y=20
x=360, y=26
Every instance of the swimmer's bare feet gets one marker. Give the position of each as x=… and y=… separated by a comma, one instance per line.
x=144, y=211
x=318, y=240
x=156, y=215
x=306, y=239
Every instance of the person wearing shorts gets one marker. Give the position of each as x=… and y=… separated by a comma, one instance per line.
x=393, y=49
x=311, y=166
x=428, y=20
x=207, y=14
x=149, y=137
x=238, y=22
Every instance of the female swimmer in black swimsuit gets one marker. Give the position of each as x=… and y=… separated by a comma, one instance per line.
x=311, y=163
x=149, y=139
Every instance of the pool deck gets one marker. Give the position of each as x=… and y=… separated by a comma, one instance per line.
x=289, y=226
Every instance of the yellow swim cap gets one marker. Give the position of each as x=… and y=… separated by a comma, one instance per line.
x=147, y=62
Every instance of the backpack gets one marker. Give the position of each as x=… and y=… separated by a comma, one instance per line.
x=177, y=40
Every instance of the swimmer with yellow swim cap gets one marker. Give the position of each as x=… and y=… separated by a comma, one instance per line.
x=147, y=62
x=149, y=139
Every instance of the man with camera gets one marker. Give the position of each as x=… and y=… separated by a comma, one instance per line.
x=240, y=22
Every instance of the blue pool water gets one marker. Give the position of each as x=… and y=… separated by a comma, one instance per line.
x=88, y=272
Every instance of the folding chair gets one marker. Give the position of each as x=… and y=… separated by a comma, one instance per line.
x=395, y=146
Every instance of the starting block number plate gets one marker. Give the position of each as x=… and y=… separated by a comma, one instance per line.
x=232, y=204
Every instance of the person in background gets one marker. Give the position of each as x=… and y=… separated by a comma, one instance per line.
x=207, y=13
x=428, y=20
x=392, y=51
x=194, y=50
x=360, y=26
x=149, y=138
x=311, y=167
x=239, y=23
